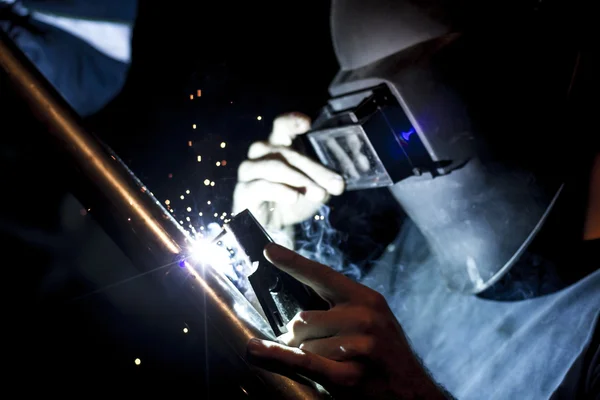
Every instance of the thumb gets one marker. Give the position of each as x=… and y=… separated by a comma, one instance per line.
x=286, y=127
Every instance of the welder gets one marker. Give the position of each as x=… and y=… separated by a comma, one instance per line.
x=82, y=48
x=476, y=118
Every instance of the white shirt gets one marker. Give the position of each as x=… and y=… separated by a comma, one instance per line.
x=483, y=349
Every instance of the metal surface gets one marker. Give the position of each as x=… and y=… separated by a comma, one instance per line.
x=142, y=219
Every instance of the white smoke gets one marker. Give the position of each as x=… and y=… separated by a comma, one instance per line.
x=320, y=242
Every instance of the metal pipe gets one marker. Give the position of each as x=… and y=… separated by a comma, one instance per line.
x=140, y=215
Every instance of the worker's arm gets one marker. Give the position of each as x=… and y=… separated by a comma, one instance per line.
x=357, y=349
x=85, y=76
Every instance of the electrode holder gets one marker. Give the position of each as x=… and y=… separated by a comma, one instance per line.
x=280, y=295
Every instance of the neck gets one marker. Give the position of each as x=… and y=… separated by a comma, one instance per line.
x=592, y=221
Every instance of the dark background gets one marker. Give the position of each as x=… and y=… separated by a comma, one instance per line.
x=248, y=60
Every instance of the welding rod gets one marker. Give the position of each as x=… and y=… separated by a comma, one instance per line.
x=157, y=235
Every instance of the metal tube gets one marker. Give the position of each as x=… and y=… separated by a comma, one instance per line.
x=143, y=216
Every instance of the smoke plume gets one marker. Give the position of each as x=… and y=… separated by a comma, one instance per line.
x=317, y=240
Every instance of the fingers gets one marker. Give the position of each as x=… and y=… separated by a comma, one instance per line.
x=277, y=171
x=342, y=320
x=259, y=191
x=324, y=177
x=287, y=127
x=329, y=284
x=341, y=348
x=308, y=325
x=360, y=159
x=277, y=358
x=343, y=159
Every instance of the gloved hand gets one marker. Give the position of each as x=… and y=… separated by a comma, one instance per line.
x=357, y=349
x=280, y=186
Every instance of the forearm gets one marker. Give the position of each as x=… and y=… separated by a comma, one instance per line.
x=411, y=379
x=418, y=383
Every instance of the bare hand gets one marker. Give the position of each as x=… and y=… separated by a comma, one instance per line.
x=357, y=349
x=280, y=186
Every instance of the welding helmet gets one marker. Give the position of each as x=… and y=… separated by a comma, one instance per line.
x=462, y=117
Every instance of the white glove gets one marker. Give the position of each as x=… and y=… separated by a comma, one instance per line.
x=280, y=186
